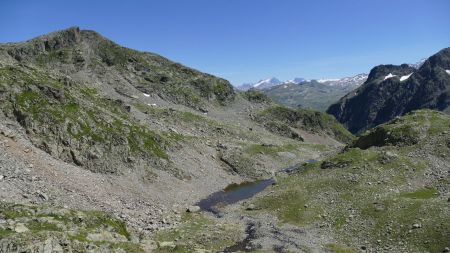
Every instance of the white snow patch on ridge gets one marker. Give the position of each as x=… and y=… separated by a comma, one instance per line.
x=389, y=76
x=327, y=80
x=403, y=78
x=271, y=82
x=146, y=95
x=448, y=71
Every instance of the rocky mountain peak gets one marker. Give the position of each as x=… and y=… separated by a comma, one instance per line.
x=392, y=91
x=383, y=71
x=439, y=60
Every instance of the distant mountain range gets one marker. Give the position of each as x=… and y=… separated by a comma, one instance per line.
x=316, y=94
x=300, y=92
x=273, y=81
x=392, y=90
x=261, y=84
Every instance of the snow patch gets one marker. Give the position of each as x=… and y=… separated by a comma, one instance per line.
x=327, y=80
x=271, y=82
x=403, y=78
x=389, y=76
x=146, y=95
x=448, y=71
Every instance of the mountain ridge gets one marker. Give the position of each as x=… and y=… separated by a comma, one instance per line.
x=62, y=48
x=392, y=90
x=273, y=82
x=105, y=148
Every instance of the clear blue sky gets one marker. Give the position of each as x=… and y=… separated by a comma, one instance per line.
x=245, y=40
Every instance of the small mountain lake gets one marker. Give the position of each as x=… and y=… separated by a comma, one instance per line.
x=234, y=193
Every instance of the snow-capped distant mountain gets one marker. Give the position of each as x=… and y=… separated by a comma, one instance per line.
x=418, y=64
x=297, y=80
x=267, y=83
x=346, y=81
x=261, y=84
x=353, y=81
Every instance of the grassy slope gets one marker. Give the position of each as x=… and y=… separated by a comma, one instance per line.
x=278, y=117
x=373, y=197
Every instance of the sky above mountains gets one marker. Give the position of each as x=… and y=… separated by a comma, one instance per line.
x=246, y=40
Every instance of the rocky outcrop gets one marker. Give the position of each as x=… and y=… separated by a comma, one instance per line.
x=51, y=229
x=391, y=91
x=26, y=51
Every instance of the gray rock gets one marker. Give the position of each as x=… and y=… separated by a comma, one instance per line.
x=287, y=155
x=102, y=236
x=20, y=228
x=251, y=207
x=8, y=133
x=52, y=246
x=170, y=245
x=416, y=225
x=193, y=209
x=42, y=195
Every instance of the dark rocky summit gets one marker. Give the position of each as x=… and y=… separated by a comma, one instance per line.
x=392, y=90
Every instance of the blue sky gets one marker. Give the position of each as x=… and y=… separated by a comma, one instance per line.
x=246, y=40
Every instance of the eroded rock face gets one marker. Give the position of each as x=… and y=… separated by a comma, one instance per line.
x=24, y=52
x=391, y=91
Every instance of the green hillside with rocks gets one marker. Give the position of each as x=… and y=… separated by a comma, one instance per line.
x=108, y=149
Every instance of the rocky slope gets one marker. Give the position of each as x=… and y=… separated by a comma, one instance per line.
x=95, y=158
x=391, y=91
x=88, y=125
x=388, y=191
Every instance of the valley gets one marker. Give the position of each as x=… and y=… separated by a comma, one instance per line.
x=108, y=149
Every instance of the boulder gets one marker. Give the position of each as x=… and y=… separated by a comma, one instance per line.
x=20, y=228
x=193, y=209
x=169, y=245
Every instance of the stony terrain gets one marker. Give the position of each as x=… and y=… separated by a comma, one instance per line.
x=107, y=149
x=388, y=191
x=92, y=128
